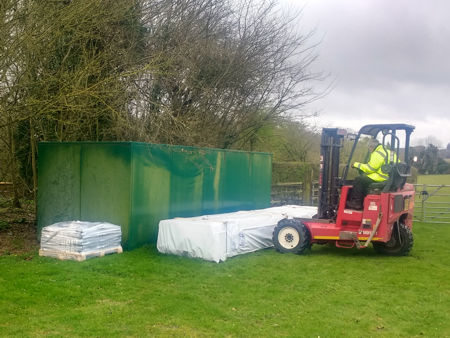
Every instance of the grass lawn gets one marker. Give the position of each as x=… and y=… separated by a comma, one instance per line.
x=328, y=292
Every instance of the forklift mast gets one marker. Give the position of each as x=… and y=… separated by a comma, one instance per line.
x=330, y=146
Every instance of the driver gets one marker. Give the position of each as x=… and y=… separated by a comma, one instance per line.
x=380, y=155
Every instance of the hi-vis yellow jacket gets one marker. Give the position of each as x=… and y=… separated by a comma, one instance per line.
x=377, y=159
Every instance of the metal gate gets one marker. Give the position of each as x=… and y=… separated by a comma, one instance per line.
x=432, y=203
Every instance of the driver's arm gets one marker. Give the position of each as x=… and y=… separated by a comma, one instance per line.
x=376, y=160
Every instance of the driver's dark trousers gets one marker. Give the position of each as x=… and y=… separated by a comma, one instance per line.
x=359, y=191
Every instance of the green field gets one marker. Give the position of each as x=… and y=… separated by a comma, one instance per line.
x=433, y=179
x=432, y=182
x=328, y=292
x=435, y=206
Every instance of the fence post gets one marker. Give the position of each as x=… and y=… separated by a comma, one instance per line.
x=424, y=188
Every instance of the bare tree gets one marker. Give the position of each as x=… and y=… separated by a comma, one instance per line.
x=234, y=67
x=65, y=74
x=195, y=72
x=9, y=94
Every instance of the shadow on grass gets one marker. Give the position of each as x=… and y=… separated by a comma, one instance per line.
x=333, y=251
x=326, y=250
x=315, y=251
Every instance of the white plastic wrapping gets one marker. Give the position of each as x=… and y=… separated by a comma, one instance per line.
x=80, y=237
x=217, y=237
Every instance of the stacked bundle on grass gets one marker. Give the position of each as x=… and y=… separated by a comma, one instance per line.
x=80, y=240
x=218, y=237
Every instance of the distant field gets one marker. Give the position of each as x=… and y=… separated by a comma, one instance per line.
x=433, y=179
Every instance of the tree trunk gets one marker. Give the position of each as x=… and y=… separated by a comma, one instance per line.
x=33, y=163
x=14, y=168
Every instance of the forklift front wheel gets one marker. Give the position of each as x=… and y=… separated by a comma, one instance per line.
x=291, y=235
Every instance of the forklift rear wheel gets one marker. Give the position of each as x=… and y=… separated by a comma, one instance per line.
x=291, y=235
x=397, y=246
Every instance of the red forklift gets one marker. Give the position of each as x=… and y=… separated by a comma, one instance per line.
x=387, y=215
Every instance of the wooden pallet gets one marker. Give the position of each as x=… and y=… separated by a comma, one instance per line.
x=76, y=256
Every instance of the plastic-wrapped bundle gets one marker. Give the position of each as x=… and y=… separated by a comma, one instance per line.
x=80, y=240
x=218, y=237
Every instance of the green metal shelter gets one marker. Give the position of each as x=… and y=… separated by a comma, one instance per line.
x=136, y=185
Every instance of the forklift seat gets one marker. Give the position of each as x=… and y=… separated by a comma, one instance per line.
x=376, y=188
x=397, y=177
x=396, y=180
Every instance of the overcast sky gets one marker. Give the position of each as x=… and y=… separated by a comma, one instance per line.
x=389, y=60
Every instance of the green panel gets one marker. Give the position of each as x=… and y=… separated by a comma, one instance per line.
x=236, y=183
x=59, y=183
x=106, y=183
x=151, y=192
x=261, y=177
x=186, y=191
x=212, y=169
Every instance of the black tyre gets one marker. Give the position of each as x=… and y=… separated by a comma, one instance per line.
x=400, y=243
x=291, y=235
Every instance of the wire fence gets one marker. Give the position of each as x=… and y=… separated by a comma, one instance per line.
x=432, y=203
x=295, y=193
